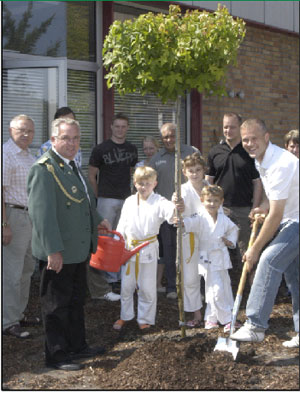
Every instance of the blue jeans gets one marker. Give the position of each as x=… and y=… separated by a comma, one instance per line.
x=110, y=209
x=281, y=256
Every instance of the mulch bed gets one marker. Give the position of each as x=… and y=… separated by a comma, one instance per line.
x=159, y=359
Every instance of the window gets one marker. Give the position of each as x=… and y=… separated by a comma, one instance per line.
x=146, y=115
x=34, y=92
x=50, y=28
x=82, y=100
x=49, y=63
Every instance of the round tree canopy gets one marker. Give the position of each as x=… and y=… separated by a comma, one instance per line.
x=169, y=54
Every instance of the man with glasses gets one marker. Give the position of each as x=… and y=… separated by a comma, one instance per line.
x=65, y=223
x=164, y=163
x=18, y=264
x=63, y=112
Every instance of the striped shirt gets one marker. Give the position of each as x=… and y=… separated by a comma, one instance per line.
x=16, y=165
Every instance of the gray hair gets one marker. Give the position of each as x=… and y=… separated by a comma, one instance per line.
x=57, y=122
x=168, y=126
x=13, y=121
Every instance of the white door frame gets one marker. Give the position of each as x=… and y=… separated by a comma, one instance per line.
x=59, y=63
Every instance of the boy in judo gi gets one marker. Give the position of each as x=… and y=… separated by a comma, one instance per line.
x=216, y=232
x=141, y=216
x=193, y=168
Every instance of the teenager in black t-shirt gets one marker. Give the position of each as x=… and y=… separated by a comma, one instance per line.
x=111, y=162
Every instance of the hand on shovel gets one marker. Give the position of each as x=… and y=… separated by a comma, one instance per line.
x=252, y=255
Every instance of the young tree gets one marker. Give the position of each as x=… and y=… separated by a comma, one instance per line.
x=168, y=55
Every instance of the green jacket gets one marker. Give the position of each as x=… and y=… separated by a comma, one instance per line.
x=62, y=217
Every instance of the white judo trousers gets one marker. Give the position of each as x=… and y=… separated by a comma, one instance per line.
x=190, y=252
x=140, y=220
x=218, y=296
x=147, y=294
x=214, y=262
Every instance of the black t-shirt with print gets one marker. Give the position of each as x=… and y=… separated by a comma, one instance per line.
x=114, y=162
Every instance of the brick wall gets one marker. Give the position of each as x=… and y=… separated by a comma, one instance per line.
x=267, y=71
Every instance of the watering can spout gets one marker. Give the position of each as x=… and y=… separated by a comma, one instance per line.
x=111, y=253
x=127, y=254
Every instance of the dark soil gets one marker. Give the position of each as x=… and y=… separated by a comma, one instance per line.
x=159, y=359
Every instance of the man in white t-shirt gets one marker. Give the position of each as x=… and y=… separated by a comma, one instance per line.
x=276, y=248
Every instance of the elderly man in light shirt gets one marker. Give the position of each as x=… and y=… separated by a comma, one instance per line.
x=18, y=264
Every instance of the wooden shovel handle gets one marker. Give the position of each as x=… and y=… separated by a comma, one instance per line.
x=251, y=241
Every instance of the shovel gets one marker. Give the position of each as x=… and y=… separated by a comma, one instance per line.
x=223, y=343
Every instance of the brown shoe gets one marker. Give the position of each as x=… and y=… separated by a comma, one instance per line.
x=16, y=331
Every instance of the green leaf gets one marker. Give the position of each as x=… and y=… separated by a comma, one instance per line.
x=169, y=54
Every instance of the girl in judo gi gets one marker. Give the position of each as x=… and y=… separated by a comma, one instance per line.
x=216, y=232
x=193, y=168
x=141, y=216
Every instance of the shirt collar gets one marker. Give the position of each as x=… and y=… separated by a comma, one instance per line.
x=66, y=160
x=267, y=157
x=223, y=142
x=15, y=148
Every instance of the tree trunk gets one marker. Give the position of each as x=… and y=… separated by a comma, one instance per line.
x=179, y=260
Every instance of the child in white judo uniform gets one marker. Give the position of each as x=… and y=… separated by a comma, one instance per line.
x=141, y=216
x=193, y=168
x=216, y=232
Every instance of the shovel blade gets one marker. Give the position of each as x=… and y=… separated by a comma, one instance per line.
x=227, y=345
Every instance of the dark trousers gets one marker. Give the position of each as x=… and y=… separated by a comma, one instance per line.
x=168, y=239
x=62, y=303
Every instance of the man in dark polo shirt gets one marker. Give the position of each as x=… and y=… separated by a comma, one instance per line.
x=230, y=166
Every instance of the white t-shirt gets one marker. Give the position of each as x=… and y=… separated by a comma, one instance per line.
x=279, y=172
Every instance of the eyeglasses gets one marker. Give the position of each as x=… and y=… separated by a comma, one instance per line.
x=23, y=131
x=67, y=139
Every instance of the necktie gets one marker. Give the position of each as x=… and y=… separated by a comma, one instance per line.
x=73, y=165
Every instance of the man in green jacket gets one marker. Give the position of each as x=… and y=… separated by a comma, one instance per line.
x=65, y=232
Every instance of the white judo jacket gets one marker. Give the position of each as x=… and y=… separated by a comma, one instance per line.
x=213, y=252
x=192, y=205
x=140, y=220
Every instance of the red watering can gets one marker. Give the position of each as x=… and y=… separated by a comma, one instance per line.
x=111, y=253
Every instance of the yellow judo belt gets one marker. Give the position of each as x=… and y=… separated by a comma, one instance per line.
x=192, y=245
x=134, y=243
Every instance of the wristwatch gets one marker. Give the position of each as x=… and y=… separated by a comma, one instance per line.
x=5, y=224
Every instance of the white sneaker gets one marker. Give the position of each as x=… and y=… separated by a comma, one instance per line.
x=172, y=295
x=161, y=289
x=111, y=296
x=249, y=332
x=293, y=343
